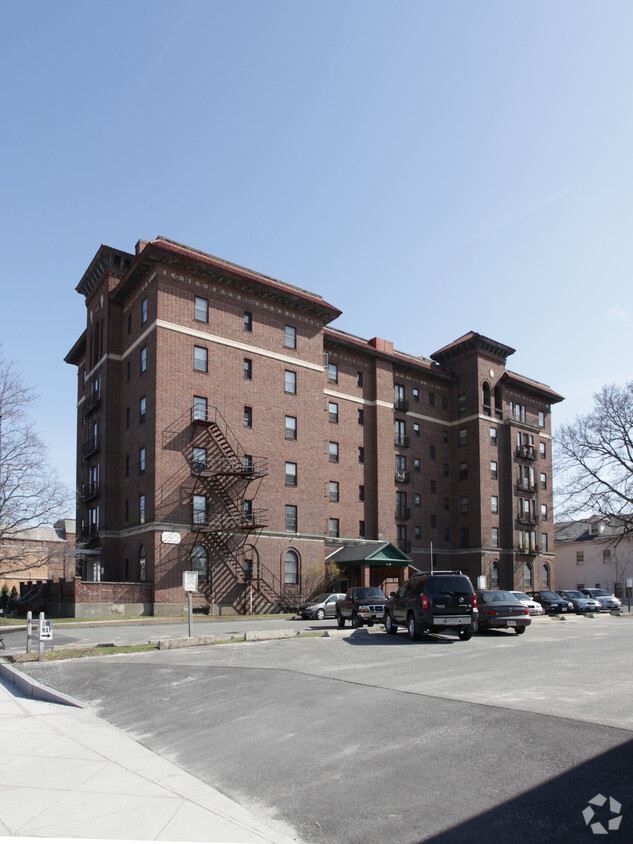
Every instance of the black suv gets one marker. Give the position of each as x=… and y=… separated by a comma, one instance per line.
x=432, y=602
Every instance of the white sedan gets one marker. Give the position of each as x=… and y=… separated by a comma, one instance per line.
x=534, y=606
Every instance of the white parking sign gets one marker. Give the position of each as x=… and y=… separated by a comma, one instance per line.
x=46, y=628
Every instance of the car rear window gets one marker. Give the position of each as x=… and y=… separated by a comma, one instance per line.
x=452, y=583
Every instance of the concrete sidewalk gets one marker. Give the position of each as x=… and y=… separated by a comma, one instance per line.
x=65, y=773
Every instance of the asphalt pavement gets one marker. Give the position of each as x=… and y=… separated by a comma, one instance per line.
x=366, y=737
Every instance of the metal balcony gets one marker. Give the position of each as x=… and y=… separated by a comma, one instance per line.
x=403, y=513
x=93, y=446
x=401, y=441
x=403, y=477
x=401, y=404
x=527, y=452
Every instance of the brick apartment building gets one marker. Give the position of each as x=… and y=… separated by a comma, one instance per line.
x=224, y=426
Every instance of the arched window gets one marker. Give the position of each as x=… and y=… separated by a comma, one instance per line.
x=142, y=572
x=485, y=391
x=527, y=576
x=200, y=562
x=494, y=575
x=291, y=567
x=546, y=578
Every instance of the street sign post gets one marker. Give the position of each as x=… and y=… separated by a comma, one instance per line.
x=44, y=632
x=190, y=584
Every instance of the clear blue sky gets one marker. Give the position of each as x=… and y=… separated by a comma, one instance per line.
x=428, y=167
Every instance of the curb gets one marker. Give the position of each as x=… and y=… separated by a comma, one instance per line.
x=32, y=689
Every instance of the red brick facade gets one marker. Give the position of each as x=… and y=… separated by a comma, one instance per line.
x=343, y=434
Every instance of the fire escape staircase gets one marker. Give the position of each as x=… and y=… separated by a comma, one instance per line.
x=225, y=476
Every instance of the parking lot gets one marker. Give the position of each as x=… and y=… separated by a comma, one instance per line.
x=363, y=736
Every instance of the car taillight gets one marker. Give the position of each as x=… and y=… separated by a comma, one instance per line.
x=474, y=602
x=425, y=602
x=491, y=612
x=526, y=611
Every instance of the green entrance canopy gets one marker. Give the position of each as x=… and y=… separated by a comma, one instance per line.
x=370, y=554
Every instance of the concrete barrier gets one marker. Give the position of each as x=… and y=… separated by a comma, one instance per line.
x=261, y=635
x=185, y=642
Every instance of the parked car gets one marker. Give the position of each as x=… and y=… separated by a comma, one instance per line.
x=606, y=599
x=433, y=602
x=361, y=605
x=322, y=606
x=550, y=601
x=499, y=609
x=580, y=602
x=568, y=603
x=534, y=607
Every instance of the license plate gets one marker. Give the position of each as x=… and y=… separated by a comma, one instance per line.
x=512, y=624
x=452, y=620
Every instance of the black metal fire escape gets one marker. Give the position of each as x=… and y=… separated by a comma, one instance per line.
x=223, y=473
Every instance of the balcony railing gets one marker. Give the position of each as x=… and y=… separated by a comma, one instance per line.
x=403, y=513
x=91, y=447
x=403, y=477
x=92, y=402
x=90, y=490
x=401, y=441
x=527, y=519
x=526, y=486
x=527, y=452
x=404, y=545
x=401, y=404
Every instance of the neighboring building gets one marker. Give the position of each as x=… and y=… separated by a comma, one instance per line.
x=593, y=553
x=38, y=554
x=225, y=427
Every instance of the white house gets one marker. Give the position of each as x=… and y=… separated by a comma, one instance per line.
x=593, y=553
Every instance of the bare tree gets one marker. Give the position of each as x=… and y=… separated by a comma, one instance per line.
x=593, y=460
x=31, y=493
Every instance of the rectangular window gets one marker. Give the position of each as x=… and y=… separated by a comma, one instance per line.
x=417, y=499
x=493, y=436
x=493, y=469
x=333, y=452
x=291, y=474
x=248, y=417
x=291, y=427
x=199, y=509
x=446, y=470
x=142, y=408
x=332, y=373
x=248, y=321
x=361, y=528
x=444, y=402
x=333, y=527
x=291, y=518
x=461, y=404
x=141, y=459
x=248, y=509
x=447, y=504
x=541, y=419
x=361, y=417
x=361, y=454
x=542, y=449
x=495, y=537
x=544, y=542
x=606, y=556
x=432, y=399
x=361, y=492
x=580, y=558
x=544, y=512
x=248, y=369
x=359, y=379
x=416, y=464
x=400, y=433
x=141, y=509
x=447, y=534
x=445, y=436
x=200, y=359
x=462, y=436
x=416, y=394
x=248, y=462
x=463, y=471
x=463, y=504
x=494, y=504
x=433, y=521
x=144, y=359
x=464, y=540
x=333, y=491
x=433, y=487
x=416, y=429
x=200, y=408
x=543, y=480
x=399, y=401
x=290, y=337
x=332, y=408
x=199, y=459
x=290, y=381
x=143, y=311
x=201, y=309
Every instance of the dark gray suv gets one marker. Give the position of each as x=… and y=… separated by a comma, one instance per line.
x=433, y=602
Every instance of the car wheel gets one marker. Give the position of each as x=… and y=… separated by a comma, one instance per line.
x=320, y=614
x=465, y=634
x=519, y=629
x=412, y=628
x=340, y=620
x=390, y=627
x=356, y=622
